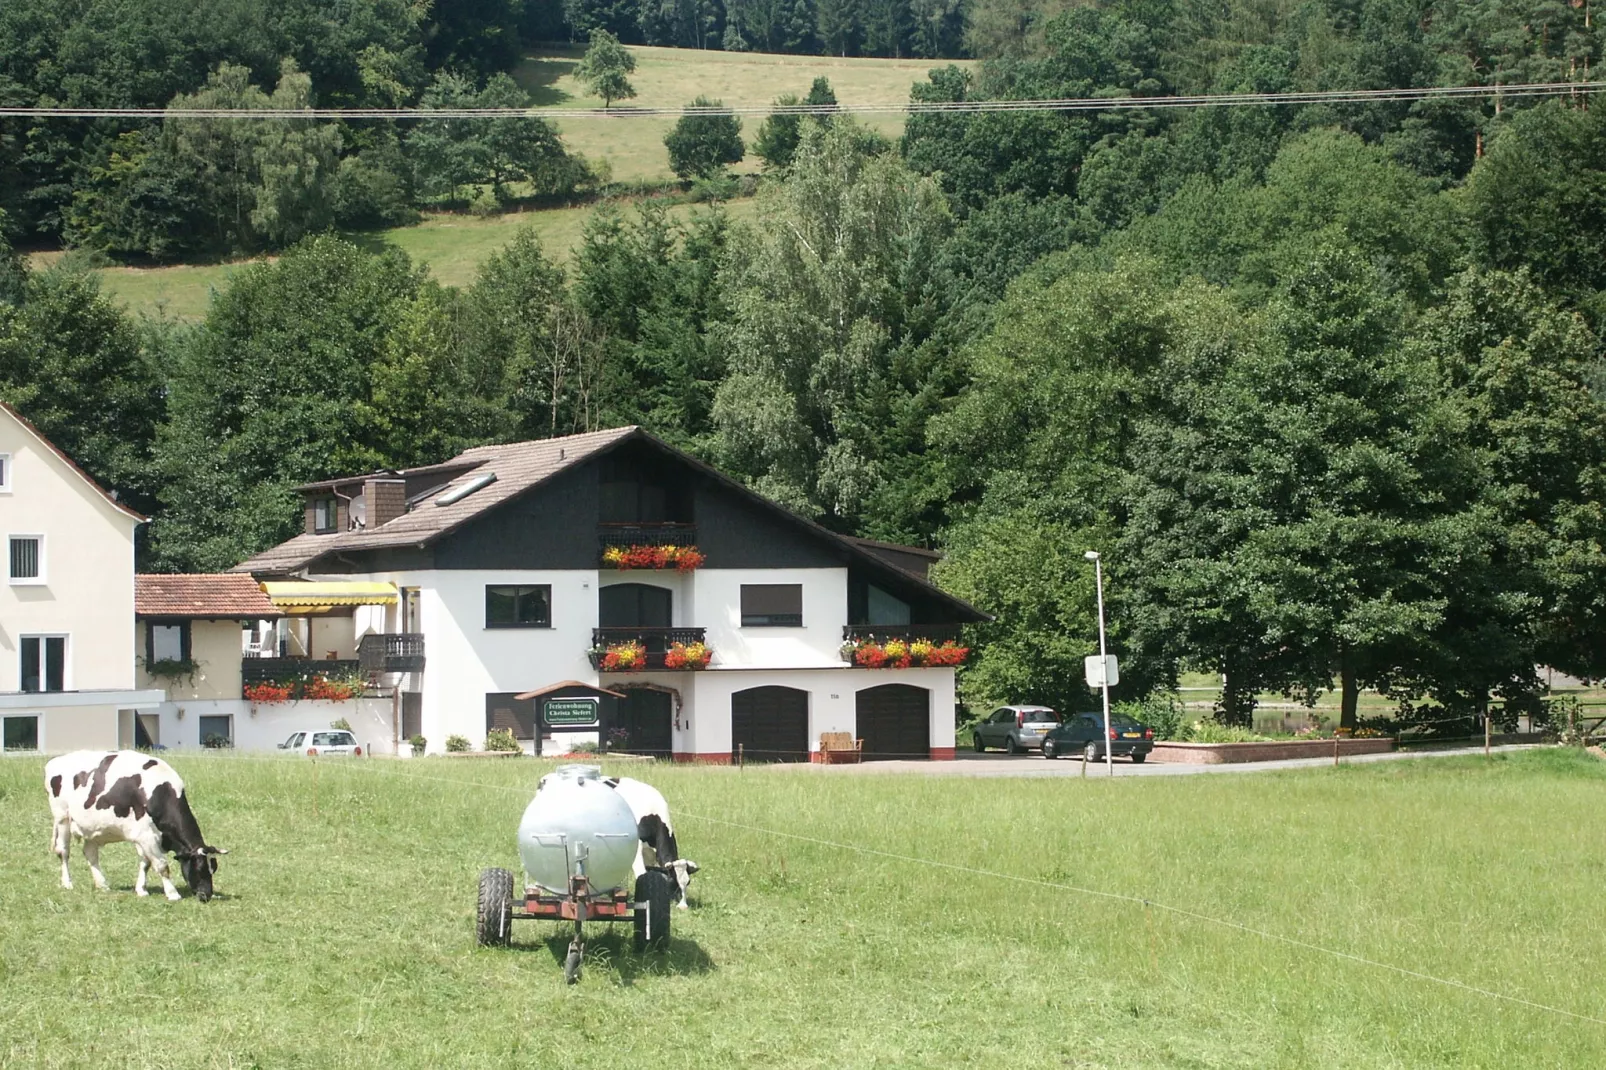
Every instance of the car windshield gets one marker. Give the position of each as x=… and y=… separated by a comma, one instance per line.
x=332, y=739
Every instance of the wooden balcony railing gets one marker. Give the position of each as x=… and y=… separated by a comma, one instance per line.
x=656, y=642
x=396, y=652
x=645, y=535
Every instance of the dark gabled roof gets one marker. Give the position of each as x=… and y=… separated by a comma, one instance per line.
x=27, y=425
x=520, y=467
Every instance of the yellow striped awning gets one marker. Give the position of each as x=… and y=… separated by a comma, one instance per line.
x=304, y=596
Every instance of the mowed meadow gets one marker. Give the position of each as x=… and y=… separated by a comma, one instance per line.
x=342, y=933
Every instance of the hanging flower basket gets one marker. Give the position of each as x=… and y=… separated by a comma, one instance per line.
x=687, y=656
x=680, y=558
x=903, y=653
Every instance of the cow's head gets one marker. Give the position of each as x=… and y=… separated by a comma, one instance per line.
x=198, y=867
x=682, y=868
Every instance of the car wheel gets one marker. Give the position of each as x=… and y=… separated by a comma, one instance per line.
x=1091, y=752
x=1049, y=750
x=493, y=921
x=652, y=917
x=1137, y=757
x=1011, y=746
x=975, y=739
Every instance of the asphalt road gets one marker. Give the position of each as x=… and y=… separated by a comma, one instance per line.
x=969, y=763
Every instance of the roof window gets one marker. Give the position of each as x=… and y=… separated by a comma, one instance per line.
x=457, y=494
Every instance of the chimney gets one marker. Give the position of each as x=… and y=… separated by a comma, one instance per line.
x=386, y=499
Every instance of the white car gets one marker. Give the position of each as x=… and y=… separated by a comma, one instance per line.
x=323, y=743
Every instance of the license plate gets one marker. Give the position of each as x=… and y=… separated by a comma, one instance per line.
x=1129, y=735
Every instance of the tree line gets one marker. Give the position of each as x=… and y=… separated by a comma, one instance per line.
x=1324, y=384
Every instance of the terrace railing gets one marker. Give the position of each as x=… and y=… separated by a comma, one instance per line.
x=396, y=652
x=937, y=633
x=627, y=535
x=296, y=671
x=655, y=641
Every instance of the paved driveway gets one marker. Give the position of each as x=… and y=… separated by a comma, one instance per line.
x=1031, y=765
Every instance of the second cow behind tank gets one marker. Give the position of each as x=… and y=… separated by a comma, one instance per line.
x=654, y=830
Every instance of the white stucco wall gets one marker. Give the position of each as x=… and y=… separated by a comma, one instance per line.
x=88, y=589
x=267, y=725
x=215, y=647
x=717, y=600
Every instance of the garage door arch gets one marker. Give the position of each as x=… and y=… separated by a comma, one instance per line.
x=770, y=724
x=894, y=721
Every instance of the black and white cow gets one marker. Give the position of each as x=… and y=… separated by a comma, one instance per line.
x=124, y=796
x=657, y=834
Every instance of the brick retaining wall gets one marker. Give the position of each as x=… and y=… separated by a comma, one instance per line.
x=1269, y=751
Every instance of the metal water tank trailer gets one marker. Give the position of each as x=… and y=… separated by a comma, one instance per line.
x=574, y=815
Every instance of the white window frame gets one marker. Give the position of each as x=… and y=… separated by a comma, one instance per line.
x=38, y=715
x=26, y=581
x=5, y=473
x=66, y=661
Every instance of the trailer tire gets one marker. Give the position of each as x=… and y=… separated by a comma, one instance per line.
x=653, y=890
x=493, y=921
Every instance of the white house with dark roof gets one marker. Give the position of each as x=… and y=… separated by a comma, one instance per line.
x=608, y=585
x=67, y=674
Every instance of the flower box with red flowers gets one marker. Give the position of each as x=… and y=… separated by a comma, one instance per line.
x=680, y=558
x=687, y=656
x=870, y=653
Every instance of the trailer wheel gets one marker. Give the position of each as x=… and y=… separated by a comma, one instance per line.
x=493, y=921
x=652, y=918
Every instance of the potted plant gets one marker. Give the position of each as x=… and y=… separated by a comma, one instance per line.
x=418, y=743
x=687, y=656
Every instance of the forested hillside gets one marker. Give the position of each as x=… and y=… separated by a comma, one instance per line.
x=1323, y=382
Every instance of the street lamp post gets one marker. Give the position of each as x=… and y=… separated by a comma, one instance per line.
x=1104, y=658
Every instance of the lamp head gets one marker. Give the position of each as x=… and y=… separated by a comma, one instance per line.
x=1092, y=555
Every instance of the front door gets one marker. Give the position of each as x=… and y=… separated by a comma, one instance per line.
x=643, y=723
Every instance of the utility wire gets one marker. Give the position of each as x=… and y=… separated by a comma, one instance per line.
x=912, y=107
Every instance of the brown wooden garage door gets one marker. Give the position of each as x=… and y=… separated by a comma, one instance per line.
x=894, y=722
x=770, y=724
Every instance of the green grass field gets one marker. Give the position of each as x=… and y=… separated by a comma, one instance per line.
x=342, y=932
x=453, y=246
x=672, y=77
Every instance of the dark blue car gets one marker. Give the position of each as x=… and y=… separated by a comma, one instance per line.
x=1083, y=733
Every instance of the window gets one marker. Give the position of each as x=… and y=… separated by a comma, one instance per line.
x=883, y=608
x=168, y=641
x=44, y=663
x=217, y=731
x=19, y=732
x=324, y=516
x=333, y=739
x=5, y=473
x=519, y=607
x=772, y=605
x=27, y=559
x=635, y=605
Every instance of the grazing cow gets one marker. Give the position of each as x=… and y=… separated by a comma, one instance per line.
x=657, y=834
x=110, y=796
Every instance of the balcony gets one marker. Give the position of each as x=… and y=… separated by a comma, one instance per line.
x=399, y=652
x=937, y=633
x=903, y=646
x=656, y=642
x=645, y=535
x=648, y=546
x=294, y=674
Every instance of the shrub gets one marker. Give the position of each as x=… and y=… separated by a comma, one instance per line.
x=1211, y=731
x=213, y=741
x=502, y=740
x=1161, y=711
x=456, y=744
x=419, y=743
x=340, y=723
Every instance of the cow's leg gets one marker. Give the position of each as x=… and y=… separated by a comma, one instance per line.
x=165, y=873
x=61, y=844
x=92, y=856
x=144, y=867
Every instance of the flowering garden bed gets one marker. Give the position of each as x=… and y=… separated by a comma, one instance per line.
x=680, y=558
x=903, y=653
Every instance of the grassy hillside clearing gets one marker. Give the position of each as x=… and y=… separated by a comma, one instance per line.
x=672, y=77
x=342, y=935
x=453, y=246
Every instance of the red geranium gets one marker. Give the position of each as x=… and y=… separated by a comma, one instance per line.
x=267, y=691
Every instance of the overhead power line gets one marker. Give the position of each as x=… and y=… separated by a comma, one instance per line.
x=1066, y=104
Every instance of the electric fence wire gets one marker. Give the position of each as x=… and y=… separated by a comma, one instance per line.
x=911, y=107
x=1061, y=886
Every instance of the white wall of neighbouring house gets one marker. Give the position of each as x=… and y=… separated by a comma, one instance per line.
x=214, y=647
x=260, y=728
x=86, y=592
x=717, y=606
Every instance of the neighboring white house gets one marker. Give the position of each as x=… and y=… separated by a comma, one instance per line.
x=66, y=604
x=506, y=563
